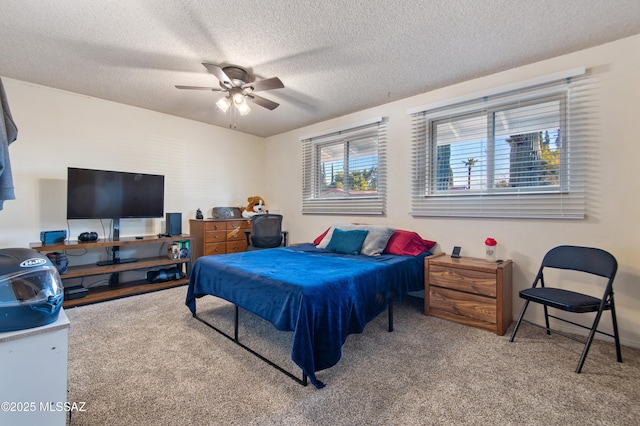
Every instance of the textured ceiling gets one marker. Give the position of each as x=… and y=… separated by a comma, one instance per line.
x=334, y=57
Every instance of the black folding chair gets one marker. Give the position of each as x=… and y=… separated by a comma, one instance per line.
x=584, y=259
x=266, y=232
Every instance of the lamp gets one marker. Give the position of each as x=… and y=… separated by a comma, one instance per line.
x=224, y=104
x=238, y=98
x=243, y=108
x=235, y=97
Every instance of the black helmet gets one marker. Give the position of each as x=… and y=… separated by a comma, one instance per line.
x=31, y=291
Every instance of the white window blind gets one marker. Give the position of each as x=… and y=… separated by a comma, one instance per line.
x=519, y=154
x=344, y=170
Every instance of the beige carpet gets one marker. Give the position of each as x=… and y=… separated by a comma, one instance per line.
x=144, y=360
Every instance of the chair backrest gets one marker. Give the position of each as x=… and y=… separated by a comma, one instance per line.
x=585, y=259
x=267, y=230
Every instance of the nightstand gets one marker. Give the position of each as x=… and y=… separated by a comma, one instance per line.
x=470, y=291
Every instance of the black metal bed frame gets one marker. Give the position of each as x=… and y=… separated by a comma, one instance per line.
x=304, y=380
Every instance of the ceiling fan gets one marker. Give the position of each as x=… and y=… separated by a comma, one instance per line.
x=237, y=84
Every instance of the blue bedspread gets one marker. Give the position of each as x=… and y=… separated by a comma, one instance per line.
x=322, y=297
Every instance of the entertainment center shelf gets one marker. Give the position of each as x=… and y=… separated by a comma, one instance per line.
x=118, y=290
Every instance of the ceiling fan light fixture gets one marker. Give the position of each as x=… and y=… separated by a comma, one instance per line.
x=224, y=104
x=238, y=98
x=243, y=108
x=236, y=83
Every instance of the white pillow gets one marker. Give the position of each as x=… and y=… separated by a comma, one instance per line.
x=373, y=245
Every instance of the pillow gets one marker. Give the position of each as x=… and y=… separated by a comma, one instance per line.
x=347, y=242
x=374, y=244
x=319, y=238
x=327, y=236
x=376, y=240
x=407, y=243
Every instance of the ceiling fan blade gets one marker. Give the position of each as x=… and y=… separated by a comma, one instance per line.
x=215, y=89
x=259, y=100
x=268, y=84
x=220, y=75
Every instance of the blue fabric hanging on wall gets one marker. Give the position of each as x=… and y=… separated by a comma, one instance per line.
x=8, y=134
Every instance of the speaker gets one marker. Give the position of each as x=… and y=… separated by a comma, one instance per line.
x=174, y=224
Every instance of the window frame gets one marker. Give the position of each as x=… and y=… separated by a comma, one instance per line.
x=345, y=204
x=564, y=201
x=489, y=177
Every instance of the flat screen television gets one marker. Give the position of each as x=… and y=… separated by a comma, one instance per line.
x=107, y=194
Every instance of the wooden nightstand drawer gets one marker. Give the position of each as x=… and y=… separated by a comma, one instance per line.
x=460, y=303
x=469, y=291
x=471, y=281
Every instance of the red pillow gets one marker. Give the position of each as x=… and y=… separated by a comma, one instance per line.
x=320, y=237
x=407, y=243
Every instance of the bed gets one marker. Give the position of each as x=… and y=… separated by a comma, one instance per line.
x=320, y=295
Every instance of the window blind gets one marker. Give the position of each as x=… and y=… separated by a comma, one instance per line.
x=518, y=154
x=345, y=170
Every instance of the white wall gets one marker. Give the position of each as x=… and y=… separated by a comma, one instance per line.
x=204, y=166
x=613, y=205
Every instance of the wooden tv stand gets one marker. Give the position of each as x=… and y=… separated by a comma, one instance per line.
x=118, y=289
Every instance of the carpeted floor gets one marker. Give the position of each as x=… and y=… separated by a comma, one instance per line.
x=145, y=360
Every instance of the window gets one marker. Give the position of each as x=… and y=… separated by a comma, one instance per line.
x=494, y=150
x=344, y=171
x=514, y=154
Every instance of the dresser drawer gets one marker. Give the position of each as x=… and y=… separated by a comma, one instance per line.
x=235, y=230
x=478, y=282
x=215, y=226
x=463, y=304
x=214, y=248
x=235, y=234
x=214, y=236
x=236, y=246
x=211, y=236
x=238, y=224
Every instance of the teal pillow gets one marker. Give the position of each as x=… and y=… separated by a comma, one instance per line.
x=347, y=242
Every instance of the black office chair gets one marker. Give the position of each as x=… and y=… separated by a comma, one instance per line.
x=266, y=232
x=584, y=259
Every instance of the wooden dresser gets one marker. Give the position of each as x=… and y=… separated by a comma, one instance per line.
x=218, y=236
x=470, y=291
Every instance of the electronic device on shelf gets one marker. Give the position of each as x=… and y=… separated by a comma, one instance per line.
x=75, y=292
x=88, y=236
x=52, y=237
x=456, y=252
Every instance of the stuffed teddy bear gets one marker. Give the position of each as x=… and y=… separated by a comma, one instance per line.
x=255, y=206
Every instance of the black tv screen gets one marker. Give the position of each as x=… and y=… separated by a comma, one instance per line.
x=104, y=194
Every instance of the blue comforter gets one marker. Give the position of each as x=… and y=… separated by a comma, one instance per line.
x=322, y=297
